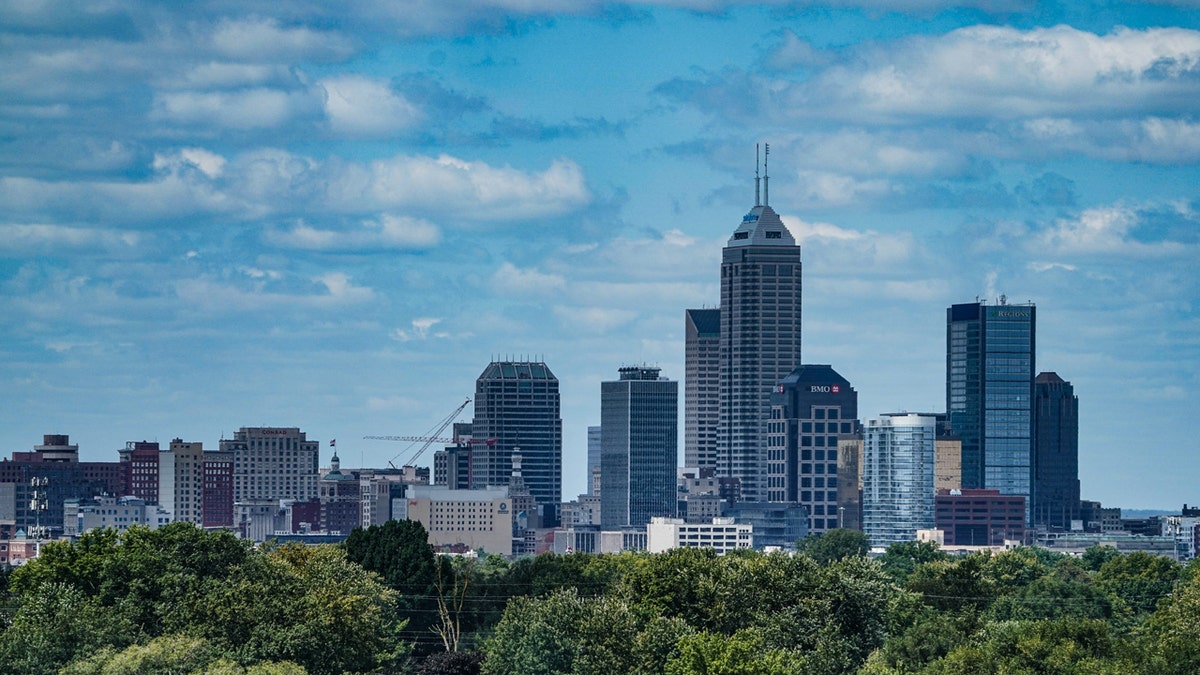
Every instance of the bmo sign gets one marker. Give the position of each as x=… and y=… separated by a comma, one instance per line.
x=825, y=389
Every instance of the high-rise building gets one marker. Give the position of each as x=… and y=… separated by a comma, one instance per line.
x=701, y=387
x=1055, y=500
x=810, y=408
x=898, y=466
x=217, y=507
x=181, y=481
x=34, y=485
x=517, y=403
x=593, y=460
x=759, y=340
x=639, y=422
x=273, y=463
x=139, y=470
x=989, y=390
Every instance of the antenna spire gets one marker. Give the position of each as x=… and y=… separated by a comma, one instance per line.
x=756, y=178
x=766, y=175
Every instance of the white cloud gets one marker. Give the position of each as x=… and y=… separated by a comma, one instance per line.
x=592, y=319
x=254, y=108
x=388, y=232
x=26, y=237
x=263, y=39
x=360, y=106
x=511, y=280
x=333, y=290
x=419, y=330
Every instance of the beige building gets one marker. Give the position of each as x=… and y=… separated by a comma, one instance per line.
x=273, y=463
x=181, y=481
x=947, y=463
x=477, y=519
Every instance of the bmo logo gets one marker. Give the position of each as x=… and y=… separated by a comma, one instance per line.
x=825, y=389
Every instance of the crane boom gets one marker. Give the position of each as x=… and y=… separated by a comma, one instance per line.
x=426, y=440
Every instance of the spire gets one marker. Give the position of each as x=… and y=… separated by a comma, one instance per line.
x=757, y=202
x=766, y=175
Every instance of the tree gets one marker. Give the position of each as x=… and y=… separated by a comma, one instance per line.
x=834, y=545
x=1173, y=633
x=743, y=653
x=1095, y=557
x=954, y=585
x=399, y=551
x=55, y=624
x=1139, y=580
x=901, y=558
x=1058, y=647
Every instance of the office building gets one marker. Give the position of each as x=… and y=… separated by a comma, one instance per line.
x=810, y=409
x=759, y=341
x=517, y=403
x=273, y=463
x=593, y=460
x=721, y=534
x=639, y=426
x=850, y=484
x=34, y=485
x=1055, y=500
x=775, y=525
x=139, y=470
x=898, y=458
x=701, y=387
x=109, y=512
x=989, y=391
x=478, y=520
x=217, y=506
x=181, y=481
x=979, y=517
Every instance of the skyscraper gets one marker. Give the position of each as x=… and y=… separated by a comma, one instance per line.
x=701, y=387
x=989, y=389
x=898, y=461
x=639, y=423
x=759, y=339
x=1055, y=499
x=810, y=409
x=517, y=403
x=272, y=463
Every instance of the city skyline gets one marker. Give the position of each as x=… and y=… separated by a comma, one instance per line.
x=332, y=218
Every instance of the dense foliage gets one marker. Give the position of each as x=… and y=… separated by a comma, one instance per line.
x=182, y=600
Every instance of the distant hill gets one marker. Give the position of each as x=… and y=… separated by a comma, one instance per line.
x=1146, y=513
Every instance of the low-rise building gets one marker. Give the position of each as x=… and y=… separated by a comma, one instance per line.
x=722, y=535
x=111, y=512
x=979, y=517
x=478, y=519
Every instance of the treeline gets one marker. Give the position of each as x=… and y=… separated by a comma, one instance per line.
x=182, y=600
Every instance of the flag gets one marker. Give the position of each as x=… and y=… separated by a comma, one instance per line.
x=333, y=443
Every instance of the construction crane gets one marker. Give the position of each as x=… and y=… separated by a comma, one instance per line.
x=427, y=440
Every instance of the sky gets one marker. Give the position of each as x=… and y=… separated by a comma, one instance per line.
x=335, y=215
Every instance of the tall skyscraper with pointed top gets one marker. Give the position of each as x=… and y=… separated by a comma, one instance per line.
x=760, y=338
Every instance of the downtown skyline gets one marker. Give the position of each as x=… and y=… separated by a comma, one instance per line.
x=215, y=216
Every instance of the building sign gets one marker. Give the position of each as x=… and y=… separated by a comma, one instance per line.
x=274, y=432
x=825, y=389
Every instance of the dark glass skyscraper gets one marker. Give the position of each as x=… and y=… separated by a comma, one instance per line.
x=701, y=387
x=517, y=403
x=639, y=428
x=1055, y=452
x=989, y=391
x=759, y=341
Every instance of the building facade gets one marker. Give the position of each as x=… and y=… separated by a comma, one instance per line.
x=1055, y=498
x=759, y=341
x=47, y=477
x=989, y=393
x=810, y=409
x=979, y=517
x=273, y=463
x=639, y=426
x=474, y=519
x=139, y=470
x=701, y=387
x=517, y=403
x=181, y=481
x=217, y=507
x=721, y=534
x=898, y=459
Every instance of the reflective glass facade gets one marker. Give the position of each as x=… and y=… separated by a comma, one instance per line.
x=639, y=423
x=898, y=465
x=989, y=392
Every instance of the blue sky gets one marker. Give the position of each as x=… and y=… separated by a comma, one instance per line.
x=226, y=214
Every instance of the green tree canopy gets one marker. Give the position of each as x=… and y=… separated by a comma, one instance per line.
x=834, y=545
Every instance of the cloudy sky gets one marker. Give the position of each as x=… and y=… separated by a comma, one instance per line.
x=224, y=214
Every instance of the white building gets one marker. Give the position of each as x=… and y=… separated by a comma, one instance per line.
x=111, y=512
x=898, y=477
x=181, y=481
x=722, y=535
x=273, y=463
x=1184, y=531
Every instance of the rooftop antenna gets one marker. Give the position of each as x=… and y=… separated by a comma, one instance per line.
x=757, y=202
x=766, y=175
